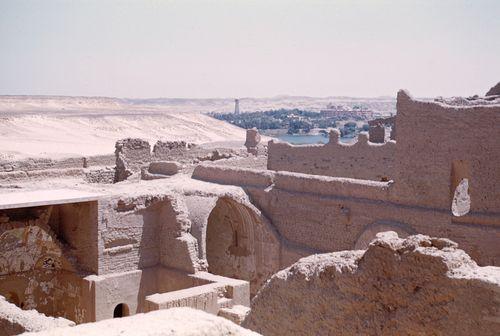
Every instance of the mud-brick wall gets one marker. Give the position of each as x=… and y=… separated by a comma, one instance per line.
x=327, y=214
x=438, y=145
x=129, y=234
x=321, y=214
x=362, y=160
x=75, y=224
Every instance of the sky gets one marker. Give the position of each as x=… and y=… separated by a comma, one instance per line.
x=236, y=48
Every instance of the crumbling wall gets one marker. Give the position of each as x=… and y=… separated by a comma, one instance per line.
x=104, y=175
x=440, y=145
x=362, y=160
x=76, y=225
x=252, y=141
x=140, y=231
x=38, y=271
x=414, y=286
x=376, y=134
x=170, y=150
x=317, y=214
x=129, y=233
x=33, y=164
x=131, y=154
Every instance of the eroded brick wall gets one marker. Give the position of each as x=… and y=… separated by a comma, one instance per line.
x=362, y=160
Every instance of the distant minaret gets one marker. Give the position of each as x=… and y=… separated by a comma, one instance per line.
x=236, y=106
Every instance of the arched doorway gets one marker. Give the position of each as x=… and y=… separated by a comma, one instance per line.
x=121, y=310
x=230, y=241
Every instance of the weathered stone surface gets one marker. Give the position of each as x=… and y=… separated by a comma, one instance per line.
x=166, y=150
x=215, y=155
x=252, y=140
x=495, y=90
x=377, y=134
x=176, y=321
x=160, y=169
x=100, y=175
x=130, y=155
x=393, y=132
x=14, y=320
x=164, y=167
x=362, y=160
x=414, y=286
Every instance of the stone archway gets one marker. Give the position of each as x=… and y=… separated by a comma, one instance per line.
x=240, y=243
x=230, y=240
x=370, y=231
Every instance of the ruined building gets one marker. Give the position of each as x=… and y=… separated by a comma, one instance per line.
x=210, y=237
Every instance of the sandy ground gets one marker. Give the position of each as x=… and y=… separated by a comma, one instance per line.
x=58, y=127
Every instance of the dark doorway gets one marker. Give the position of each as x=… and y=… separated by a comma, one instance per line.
x=121, y=310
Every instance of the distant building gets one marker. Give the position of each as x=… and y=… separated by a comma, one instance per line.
x=333, y=111
x=339, y=111
x=236, y=106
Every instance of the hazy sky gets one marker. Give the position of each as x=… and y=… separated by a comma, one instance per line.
x=249, y=48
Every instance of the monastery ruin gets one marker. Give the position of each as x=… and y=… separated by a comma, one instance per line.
x=393, y=234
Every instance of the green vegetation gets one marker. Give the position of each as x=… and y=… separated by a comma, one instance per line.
x=295, y=120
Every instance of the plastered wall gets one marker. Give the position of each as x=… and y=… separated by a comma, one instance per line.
x=38, y=270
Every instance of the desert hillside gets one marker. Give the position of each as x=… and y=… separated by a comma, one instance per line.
x=53, y=126
x=63, y=126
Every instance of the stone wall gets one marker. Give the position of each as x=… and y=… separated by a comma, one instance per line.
x=414, y=286
x=362, y=160
x=44, y=251
x=33, y=164
x=439, y=145
x=131, y=154
x=314, y=214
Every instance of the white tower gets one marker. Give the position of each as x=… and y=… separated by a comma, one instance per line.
x=236, y=106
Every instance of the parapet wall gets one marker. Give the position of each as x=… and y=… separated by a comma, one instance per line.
x=361, y=160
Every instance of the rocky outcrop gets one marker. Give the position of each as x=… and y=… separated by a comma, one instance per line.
x=494, y=91
x=176, y=321
x=414, y=286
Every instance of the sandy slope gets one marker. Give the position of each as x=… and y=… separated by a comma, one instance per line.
x=59, y=127
x=52, y=126
x=56, y=136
